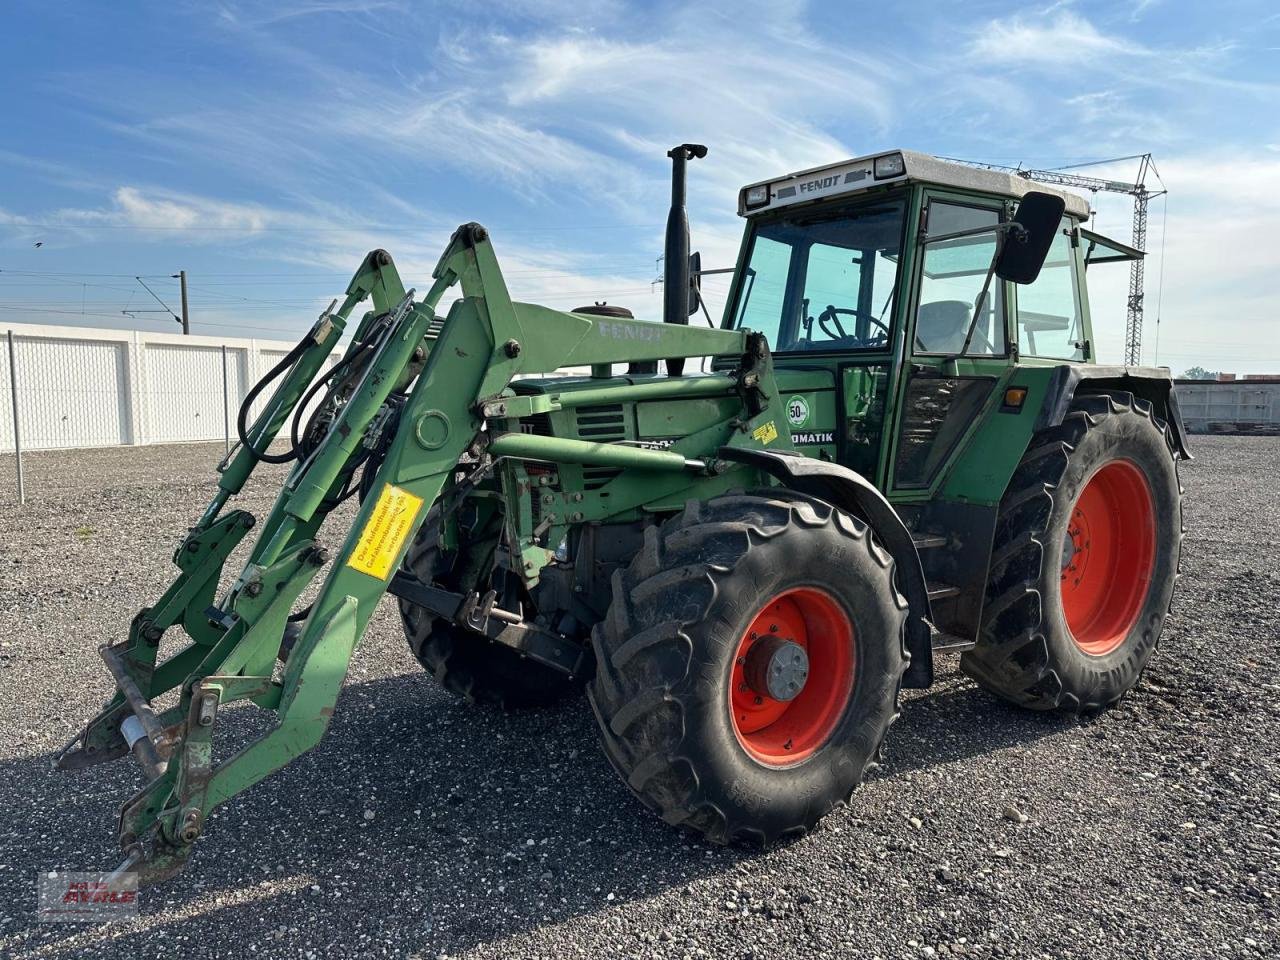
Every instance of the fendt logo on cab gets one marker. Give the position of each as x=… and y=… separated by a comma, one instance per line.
x=822, y=183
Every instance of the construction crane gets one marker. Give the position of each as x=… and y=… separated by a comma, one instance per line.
x=1062, y=176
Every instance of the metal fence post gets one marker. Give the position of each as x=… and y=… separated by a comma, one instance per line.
x=226, y=403
x=17, y=439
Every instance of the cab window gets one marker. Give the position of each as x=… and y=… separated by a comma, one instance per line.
x=824, y=282
x=952, y=274
x=1049, y=316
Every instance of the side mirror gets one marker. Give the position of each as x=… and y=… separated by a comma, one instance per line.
x=695, y=281
x=1027, y=244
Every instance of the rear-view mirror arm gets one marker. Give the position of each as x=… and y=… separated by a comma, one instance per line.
x=998, y=228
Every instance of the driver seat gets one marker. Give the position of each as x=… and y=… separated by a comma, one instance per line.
x=942, y=325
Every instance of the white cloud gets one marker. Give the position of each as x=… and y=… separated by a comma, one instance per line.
x=1065, y=38
x=466, y=136
x=1140, y=7
x=323, y=237
x=164, y=210
x=279, y=12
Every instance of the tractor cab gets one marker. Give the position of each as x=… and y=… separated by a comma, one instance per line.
x=899, y=300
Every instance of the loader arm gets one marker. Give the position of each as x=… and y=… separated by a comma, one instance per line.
x=449, y=407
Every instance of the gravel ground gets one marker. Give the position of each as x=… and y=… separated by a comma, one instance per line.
x=420, y=827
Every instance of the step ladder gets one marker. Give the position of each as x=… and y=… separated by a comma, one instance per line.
x=942, y=642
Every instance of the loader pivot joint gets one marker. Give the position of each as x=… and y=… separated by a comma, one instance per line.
x=470, y=234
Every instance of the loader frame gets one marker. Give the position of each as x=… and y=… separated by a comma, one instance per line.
x=459, y=409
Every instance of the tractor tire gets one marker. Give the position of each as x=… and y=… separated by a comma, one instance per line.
x=727, y=590
x=1086, y=555
x=466, y=663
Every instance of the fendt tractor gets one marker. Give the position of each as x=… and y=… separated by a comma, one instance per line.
x=898, y=442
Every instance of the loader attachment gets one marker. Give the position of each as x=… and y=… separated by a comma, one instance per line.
x=410, y=409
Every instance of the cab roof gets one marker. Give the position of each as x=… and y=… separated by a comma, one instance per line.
x=862, y=174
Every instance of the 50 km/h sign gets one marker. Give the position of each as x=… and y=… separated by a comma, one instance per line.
x=797, y=411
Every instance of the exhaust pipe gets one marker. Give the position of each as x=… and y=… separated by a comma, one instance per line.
x=675, y=258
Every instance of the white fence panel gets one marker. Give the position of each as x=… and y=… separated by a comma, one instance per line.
x=267, y=358
x=184, y=391
x=83, y=387
x=71, y=393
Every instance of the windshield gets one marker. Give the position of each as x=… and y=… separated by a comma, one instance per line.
x=824, y=281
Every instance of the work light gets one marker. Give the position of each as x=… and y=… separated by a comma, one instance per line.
x=890, y=165
x=756, y=196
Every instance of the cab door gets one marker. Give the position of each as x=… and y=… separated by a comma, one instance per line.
x=957, y=349
x=846, y=305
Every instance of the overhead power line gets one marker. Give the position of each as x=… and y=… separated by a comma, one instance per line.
x=351, y=228
x=154, y=296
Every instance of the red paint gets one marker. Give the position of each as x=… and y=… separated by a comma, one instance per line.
x=1113, y=532
x=781, y=733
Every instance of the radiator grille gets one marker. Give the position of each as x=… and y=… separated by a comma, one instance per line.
x=603, y=424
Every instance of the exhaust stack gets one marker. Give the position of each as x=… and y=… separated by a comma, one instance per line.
x=675, y=280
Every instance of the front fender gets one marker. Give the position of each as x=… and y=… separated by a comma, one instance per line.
x=854, y=494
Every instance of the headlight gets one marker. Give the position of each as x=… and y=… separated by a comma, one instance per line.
x=890, y=165
x=754, y=197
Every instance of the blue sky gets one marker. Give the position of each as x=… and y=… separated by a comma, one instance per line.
x=265, y=147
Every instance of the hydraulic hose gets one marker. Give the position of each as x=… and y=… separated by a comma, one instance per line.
x=242, y=429
x=286, y=363
x=296, y=433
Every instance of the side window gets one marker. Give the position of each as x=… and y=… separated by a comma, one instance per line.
x=1049, y=323
x=952, y=275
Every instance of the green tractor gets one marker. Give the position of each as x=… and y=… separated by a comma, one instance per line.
x=898, y=443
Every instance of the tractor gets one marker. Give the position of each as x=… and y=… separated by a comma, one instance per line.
x=898, y=442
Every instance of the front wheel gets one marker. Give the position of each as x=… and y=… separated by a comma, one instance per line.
x=1085, y=559
x=749, y=666
x=466, y=663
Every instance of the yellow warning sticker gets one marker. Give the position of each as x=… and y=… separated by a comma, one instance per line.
x=766, y=433
x=385, y=533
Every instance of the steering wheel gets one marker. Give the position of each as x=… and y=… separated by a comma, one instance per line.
x=831, y=315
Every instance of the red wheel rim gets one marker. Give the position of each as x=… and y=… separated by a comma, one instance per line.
x=1108, y=557
x=780, y=733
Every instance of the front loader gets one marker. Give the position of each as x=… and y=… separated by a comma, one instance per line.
x=743, y=565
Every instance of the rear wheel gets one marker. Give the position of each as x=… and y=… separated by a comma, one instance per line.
x=1085, y=559
x=749, y=666
x=462, y=661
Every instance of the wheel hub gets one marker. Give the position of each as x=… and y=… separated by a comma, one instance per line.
x=776, y=668
x=792, y=676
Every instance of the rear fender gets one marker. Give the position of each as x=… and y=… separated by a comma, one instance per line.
x=1149, y=383
x=855, y=495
